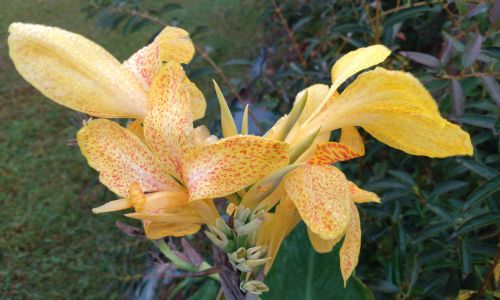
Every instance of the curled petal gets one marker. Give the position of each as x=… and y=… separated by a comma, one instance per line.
x=168, y=126
x=75, y=72
x=164, y=213
x=356, y=61
x=350, y=137
x=321, y=195
x=349, y=252
x=122, y=158
x=226, y=166
x=114, y=205
x=361, y=196
x=396, y=109
x=171, y=44
x=322, y=245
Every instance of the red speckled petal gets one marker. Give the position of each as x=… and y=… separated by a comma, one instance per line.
x=361, y=196
x=168, y=126
x=349, y=253
x=331, y=152
x=122, y=158
x=321, y=195
x=226, y=166
x=171, y=44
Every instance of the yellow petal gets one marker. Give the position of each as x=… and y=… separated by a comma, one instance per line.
x=315, y=96
x=350, y=137
x=226, y=166
x=175, y=45
x=168, y=126
x=276, y=129
x=244, y=121
x=114, y=205
x=202, y=134
x=158, y=230
x=121, y=158
x=171, y=44
x=322, y=245
x=165, y=213
x=75, y=72
x=361, y=196
x=356, y=61
x=349, y=252
x=136, y=128
x=198, y=102
x=331, y=152
x=396, y=109
x=321, y=195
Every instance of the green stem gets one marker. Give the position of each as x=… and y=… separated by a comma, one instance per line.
x=181, y=264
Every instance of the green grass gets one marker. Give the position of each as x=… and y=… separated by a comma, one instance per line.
x=51, y=245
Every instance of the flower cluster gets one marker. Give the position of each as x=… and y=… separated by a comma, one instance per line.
x=170, y=174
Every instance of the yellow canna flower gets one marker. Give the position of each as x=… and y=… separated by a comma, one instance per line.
x=392, y=106
x=165, y=169
x=178, y=167
x=77, y=73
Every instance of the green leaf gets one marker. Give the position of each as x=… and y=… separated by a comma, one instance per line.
x=408, y=13
x=479, y=168
x=301, y=273
x=478, y=221
x=431, y=231
x=486, y=189
x=207, y=291
x=465, y=262
x=447, y=186
x=477, y=120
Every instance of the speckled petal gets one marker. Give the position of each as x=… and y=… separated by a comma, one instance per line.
x=165, y=213
x=321, y=195
x=349, y=252
x=136, y=128
x=171, y=44
x=226, y=166
x=168, y=126
x=121, y=158
x=75, y=72
x=361, y=196
x=396, y=109
x=350, y=137
x=321, y=245
x=331, y=152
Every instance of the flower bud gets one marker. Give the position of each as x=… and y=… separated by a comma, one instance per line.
x=254, y=287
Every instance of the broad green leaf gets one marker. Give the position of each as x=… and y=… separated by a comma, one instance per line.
x=301, y=273
x=465, y=262
x=477, y=120
x=486, y=189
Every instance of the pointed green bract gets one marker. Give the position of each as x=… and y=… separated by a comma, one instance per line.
x=226, y=118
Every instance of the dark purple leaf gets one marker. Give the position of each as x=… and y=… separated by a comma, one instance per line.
x=495, y=14
x=447, y=53
x=478, y=9
x=493, y=88
x=457, y=97
x=421, y=58
x=129, y=230
x=472, y=49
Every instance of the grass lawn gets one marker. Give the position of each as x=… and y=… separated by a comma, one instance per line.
x=51, y=245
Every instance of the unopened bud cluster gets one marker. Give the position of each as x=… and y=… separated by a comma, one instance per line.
x=239, y=244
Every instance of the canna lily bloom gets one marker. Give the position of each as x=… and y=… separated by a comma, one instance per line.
x=170, y=174
x=392, y=106
x=160, y=165
x=77, y=73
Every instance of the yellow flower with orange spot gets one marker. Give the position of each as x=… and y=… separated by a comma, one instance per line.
x=392, y=106
x=162, y=166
